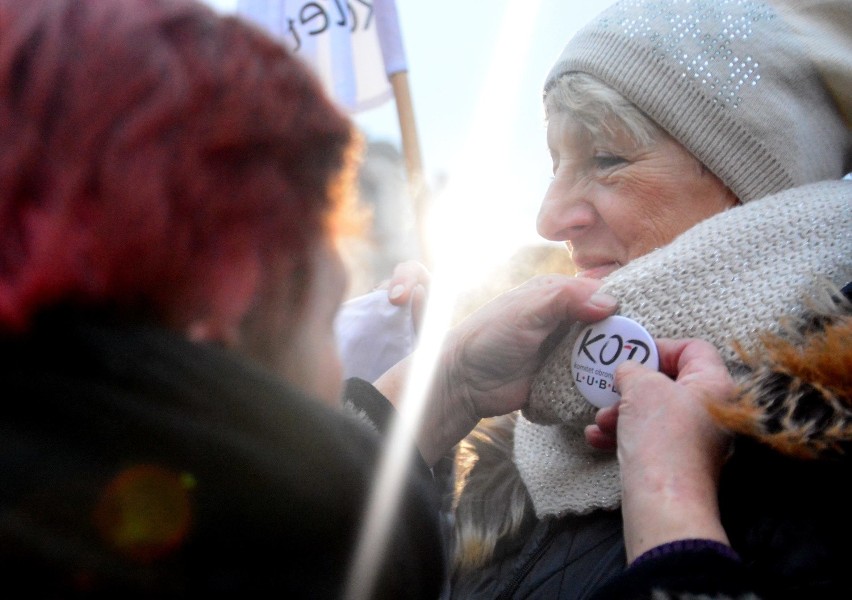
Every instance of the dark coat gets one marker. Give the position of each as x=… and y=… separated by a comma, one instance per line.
x=137, y=464
x=565, y=558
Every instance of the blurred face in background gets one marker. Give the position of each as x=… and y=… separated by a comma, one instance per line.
x=311, y=360
x=291, y=328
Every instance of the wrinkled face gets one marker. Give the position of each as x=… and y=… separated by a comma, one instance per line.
x=612, y=200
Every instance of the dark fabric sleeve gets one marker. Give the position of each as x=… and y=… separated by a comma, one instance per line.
x=265, y=488
x=364, y=397
x=686, y=545
x=689, y=570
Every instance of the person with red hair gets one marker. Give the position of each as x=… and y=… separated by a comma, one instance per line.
x=172, y=185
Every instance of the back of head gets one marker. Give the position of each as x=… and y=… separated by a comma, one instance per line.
x=730, y=80
x=148, y=146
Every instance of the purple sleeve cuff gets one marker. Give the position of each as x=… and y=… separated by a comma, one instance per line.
x=688, y=545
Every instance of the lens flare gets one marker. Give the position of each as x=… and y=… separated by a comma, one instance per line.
x=464, y=220
x=145, y=512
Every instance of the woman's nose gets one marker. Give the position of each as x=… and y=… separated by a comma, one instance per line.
x=565, y=211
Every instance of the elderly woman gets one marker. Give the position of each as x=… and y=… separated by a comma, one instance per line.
x=697, y=160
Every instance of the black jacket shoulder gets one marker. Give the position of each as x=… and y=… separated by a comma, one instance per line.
x=137, y=464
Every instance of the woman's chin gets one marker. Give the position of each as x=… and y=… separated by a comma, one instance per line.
x=600, y=271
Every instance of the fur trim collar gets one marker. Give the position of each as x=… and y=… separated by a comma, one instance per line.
x=796, y=393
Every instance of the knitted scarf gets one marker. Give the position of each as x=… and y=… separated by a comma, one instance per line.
x=727, y=278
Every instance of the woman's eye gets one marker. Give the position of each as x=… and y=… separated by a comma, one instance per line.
x=607, y=161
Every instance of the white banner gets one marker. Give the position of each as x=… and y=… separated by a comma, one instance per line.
x=353, y=45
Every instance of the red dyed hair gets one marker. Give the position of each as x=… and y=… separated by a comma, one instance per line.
x=144, y=144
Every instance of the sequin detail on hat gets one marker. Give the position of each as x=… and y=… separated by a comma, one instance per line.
x=701, y=37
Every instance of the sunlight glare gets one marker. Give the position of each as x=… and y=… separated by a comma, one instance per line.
x=470, y=229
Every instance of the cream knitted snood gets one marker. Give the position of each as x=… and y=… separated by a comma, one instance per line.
x=725, y=279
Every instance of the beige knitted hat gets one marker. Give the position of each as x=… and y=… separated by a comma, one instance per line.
x=725, y=279
x=825, y=29
x=728, y=79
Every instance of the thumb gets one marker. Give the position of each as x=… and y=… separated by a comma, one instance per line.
x=626, y=374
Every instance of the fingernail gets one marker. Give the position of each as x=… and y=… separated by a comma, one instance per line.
x=397, y=291
x=603, y=300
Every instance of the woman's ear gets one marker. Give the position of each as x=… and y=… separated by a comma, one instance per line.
x=208, y=330
x=233, y=285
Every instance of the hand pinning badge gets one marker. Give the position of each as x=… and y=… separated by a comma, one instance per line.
x=600, y=348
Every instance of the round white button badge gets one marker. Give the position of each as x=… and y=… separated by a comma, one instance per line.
x=600, y=348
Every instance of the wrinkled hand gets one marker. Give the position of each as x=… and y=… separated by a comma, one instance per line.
x=669, y=449
x=409, y=282
x=493, y=354
x=673, y=400
x=490, y=358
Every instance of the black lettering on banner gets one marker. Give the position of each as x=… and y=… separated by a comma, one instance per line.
x=292, y=28
x=369, y=5
x=306, y=18
x=315, y=19
x=341, y=12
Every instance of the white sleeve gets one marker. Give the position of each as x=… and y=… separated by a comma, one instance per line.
x=373, y=335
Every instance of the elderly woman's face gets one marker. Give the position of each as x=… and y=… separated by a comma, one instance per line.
x=612, y=200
